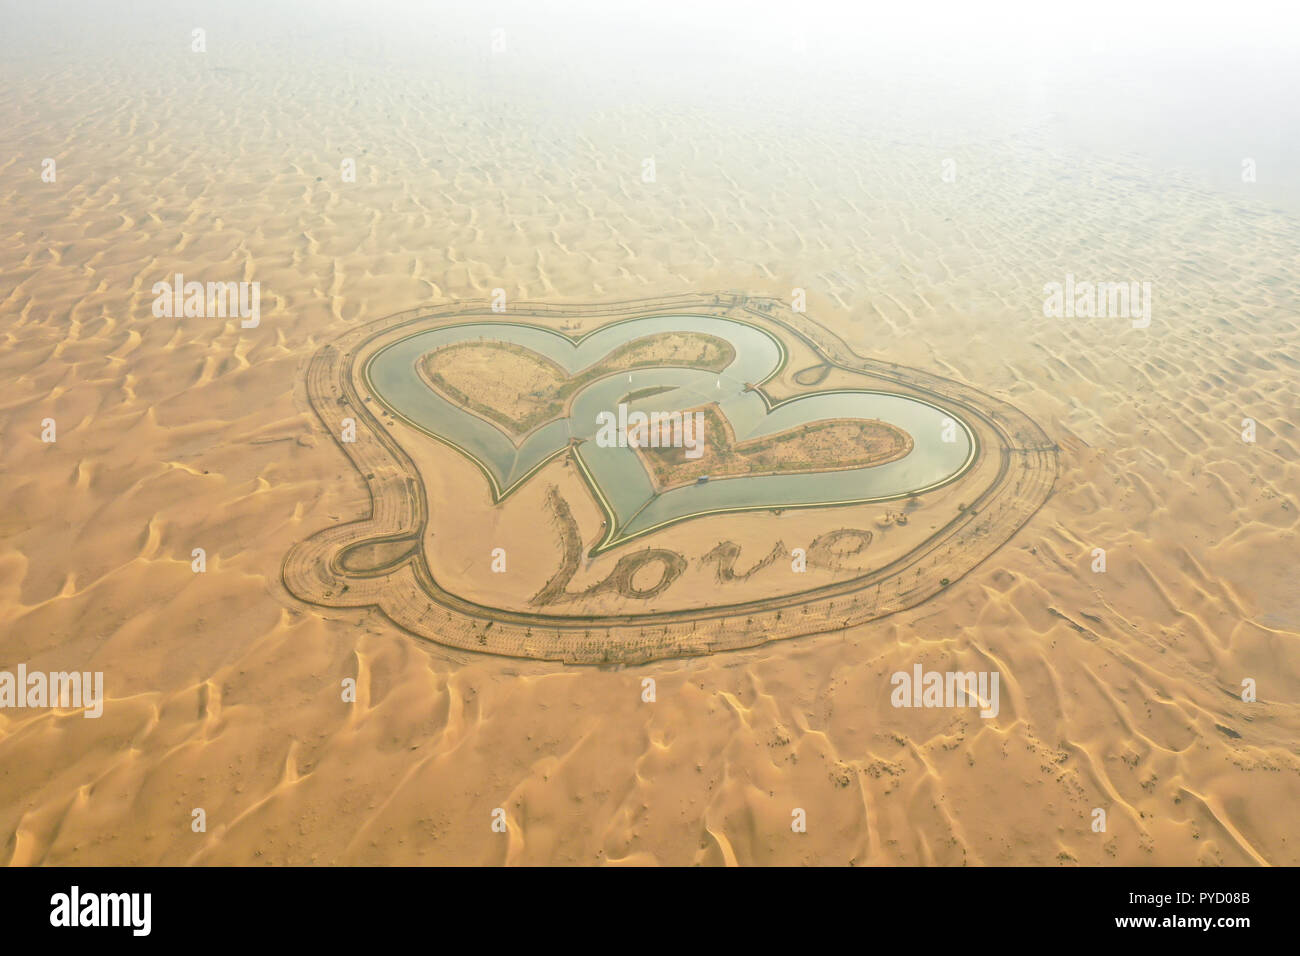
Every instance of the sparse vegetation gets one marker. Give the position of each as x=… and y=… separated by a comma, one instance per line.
x=519, y=389
x=830, y=445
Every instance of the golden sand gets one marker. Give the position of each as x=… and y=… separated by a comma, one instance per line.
x=1120, y=690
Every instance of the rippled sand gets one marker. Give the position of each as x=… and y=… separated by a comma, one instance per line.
x=476, y=171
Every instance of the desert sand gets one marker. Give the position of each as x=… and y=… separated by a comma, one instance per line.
x=523, y=169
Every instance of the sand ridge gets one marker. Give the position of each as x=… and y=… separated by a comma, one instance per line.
x=476, y=173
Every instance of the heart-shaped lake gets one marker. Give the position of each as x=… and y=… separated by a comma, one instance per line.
x=568, y=389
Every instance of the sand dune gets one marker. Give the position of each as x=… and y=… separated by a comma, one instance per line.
x=1120, y=690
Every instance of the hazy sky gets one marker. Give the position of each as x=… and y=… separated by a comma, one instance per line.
x=1193, y=87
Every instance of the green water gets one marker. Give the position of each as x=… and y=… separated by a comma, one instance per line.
x=623, y=482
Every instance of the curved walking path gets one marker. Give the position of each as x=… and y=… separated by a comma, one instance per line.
x=408, y=594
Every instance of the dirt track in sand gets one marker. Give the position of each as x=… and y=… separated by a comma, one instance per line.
x=411, y=597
